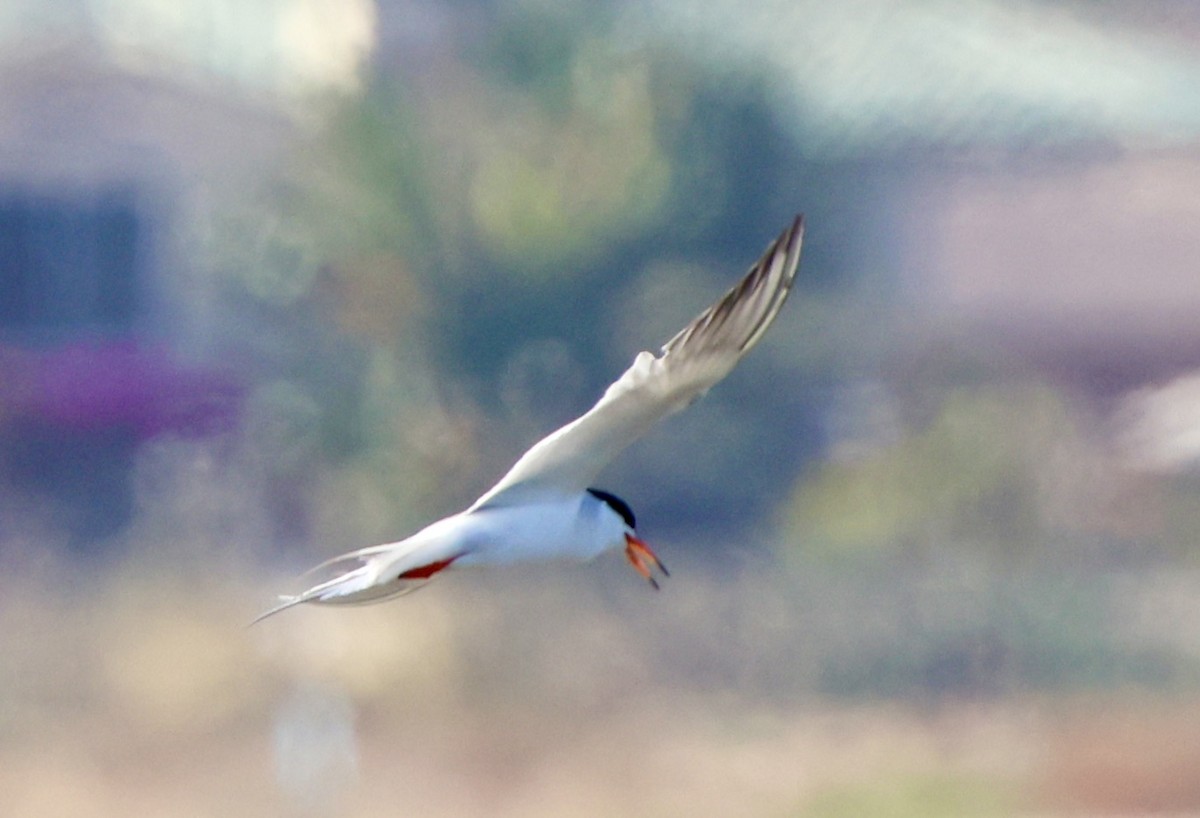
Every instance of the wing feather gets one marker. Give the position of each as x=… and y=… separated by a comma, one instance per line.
x=691, y=362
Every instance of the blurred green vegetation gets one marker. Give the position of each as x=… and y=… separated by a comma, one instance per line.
x=989, y=470
x=914, y=796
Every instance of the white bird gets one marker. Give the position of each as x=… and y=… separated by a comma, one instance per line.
x=545, y=506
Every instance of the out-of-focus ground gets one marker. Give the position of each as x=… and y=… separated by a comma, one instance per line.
x=575, y=691
x=282, y=280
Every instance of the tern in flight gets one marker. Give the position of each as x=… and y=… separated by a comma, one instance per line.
x=546, y=506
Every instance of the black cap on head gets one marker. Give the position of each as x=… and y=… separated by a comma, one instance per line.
x=616, y=504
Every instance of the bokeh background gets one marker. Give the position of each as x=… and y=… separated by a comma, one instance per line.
x=283, y=278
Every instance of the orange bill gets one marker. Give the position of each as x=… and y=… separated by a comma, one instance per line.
x=643, y=559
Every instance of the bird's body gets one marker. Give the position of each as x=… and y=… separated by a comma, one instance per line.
x=557, y=525
x=545, y=507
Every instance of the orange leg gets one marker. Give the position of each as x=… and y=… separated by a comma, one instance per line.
x=426, y=571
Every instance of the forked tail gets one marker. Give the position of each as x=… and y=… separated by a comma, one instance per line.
x=373, y=580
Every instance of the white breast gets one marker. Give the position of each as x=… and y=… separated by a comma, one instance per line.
x=573, y=527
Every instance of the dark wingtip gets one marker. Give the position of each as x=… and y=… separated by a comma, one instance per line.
x=796, y=231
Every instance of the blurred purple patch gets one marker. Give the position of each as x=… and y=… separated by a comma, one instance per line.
x=96, y=386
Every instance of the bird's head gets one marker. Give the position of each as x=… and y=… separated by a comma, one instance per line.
x=637, y=551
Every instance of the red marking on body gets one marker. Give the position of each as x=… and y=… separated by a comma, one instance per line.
x=426, y=571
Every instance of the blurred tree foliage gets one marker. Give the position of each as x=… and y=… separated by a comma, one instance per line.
x=437, y=263
x=1007, y=469
x=982, y=472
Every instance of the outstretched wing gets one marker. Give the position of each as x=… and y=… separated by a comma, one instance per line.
x=700, y=355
